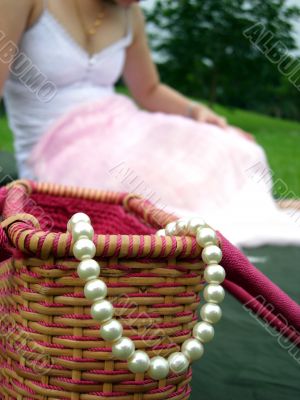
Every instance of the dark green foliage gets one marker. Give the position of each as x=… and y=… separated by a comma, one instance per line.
x=205, y=52
x=2, y=110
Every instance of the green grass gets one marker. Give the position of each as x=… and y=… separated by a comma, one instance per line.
x=6, y=142
x=279, y=138
x=281, y=141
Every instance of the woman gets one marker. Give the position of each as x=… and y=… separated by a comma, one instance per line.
x=71, y=128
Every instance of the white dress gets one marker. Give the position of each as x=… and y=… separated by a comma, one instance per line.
x=51, y=75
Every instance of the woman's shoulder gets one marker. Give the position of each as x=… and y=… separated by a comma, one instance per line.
x=134, y=14
x=134, y=10
x=20, y=12
x=137, y=12
x=37, y=7
x=137, y=17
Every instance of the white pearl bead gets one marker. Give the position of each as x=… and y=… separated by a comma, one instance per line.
x=88, y=269
x=161, y=232
x=195, y=224
x=111, y=330
x=206, y=237
x=123, y=349
x=203, y=331
x=192, y=349
x=214, y=293
x=211, y=313
x=171, y=229
x=102, y=310
x=182, y=226
x=159, y=368
x=95, y=290
x=84, y=249
x=139, y=362
x=178, y=362
x=78, y=217
x=214, y=274
x=82, y=230
x=212, y=254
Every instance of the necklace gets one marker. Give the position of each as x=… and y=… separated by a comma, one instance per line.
x=102, y=310
x=92, y=30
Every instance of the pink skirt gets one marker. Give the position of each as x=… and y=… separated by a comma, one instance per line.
x=180, y=165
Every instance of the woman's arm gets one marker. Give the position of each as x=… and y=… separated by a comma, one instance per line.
x=142, y=78
x=14, y=15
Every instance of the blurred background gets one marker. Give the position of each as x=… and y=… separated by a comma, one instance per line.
x=241, y=57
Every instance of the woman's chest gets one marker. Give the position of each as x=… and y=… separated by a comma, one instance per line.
x=48, y=49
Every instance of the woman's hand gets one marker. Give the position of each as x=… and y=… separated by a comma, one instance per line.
x=245, y=134
x=201, y=113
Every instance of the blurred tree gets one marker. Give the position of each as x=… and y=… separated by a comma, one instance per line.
x=226, y=50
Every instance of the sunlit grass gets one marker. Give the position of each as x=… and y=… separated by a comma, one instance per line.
x=6, y=141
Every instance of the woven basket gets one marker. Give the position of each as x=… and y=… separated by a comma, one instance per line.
x=50, y=346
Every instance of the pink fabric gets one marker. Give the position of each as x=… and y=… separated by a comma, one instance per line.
x=3, y=237
x=191, y=167
x=262, y=311
x=259, y=294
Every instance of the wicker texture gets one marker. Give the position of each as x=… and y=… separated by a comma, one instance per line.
x=50, y=346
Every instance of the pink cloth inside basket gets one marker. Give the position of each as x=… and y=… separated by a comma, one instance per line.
x=106, y=218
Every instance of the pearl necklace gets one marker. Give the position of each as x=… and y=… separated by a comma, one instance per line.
x=102, y=310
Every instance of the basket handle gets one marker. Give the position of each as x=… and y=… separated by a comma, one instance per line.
x=14, y=197
x=144, y=209
x=12, y=206
x=257, y=293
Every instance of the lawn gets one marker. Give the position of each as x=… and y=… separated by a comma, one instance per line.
x=280, y=139
x=5, y=135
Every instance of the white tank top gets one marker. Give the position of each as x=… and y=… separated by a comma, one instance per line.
x=52, y=74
